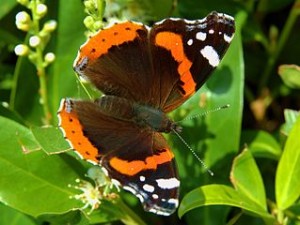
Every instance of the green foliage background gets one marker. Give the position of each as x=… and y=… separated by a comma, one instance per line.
x=252, y=147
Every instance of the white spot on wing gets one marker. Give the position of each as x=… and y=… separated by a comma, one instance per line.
x=142, y=178
x=127, y=188
x=190, y=42
x=148, y=188
x=168, y=183
x=228, y=38
x=155, y=196
x=201, y=36
x=211, y=31
x=158, y=212
x=211, y=55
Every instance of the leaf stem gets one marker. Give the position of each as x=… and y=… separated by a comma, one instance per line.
x=39, y=63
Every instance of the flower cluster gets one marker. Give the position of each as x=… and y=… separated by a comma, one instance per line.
x=115, y=11
x=39, y=38
x=92, y=195
x=95, y=11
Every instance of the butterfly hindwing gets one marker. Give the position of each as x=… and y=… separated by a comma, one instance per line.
x=139, y=160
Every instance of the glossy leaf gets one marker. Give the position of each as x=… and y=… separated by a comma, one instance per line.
x=34, y=183
x=225, y=87
x=218, y=195
x=247, y=180
x=287, y=175
x=50, y=139
x=261, y=144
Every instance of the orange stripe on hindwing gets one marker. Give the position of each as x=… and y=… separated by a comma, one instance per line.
x=132, y=168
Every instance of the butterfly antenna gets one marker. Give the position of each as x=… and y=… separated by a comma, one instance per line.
x=81, y=81
x=186, y=144
x=194, y=153
x=205, y=113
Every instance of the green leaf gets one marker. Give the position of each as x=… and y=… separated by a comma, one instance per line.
x=290, y=74
x=287, y=175
x=261, y=144
x=225, y=87
x=50, y=139
x=13, y=217
x=35, y=183
x=247, y=180
x=218, y=195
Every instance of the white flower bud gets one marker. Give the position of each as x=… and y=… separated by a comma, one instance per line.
x=89, y=4
x=21, y=50
x=22, y=17
x=50, y=26
x=41, y=9
x=23, y=26
x=49, y=57
x=23, y=21
x=34, y=41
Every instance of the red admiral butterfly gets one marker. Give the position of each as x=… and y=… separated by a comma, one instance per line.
x=144, y=73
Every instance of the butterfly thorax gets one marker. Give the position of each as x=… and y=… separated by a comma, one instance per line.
x=144, y=116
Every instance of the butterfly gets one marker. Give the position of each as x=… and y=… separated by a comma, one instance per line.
x=144, y=73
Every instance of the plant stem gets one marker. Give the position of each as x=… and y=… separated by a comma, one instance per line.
x=129, y=217
x=295, y=11
x=44, y=95
x=39, y=63
x=101, y=8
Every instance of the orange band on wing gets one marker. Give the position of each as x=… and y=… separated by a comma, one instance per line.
x=73, y=132
x=173, y=43
x=100, y=43
x=131, y=168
